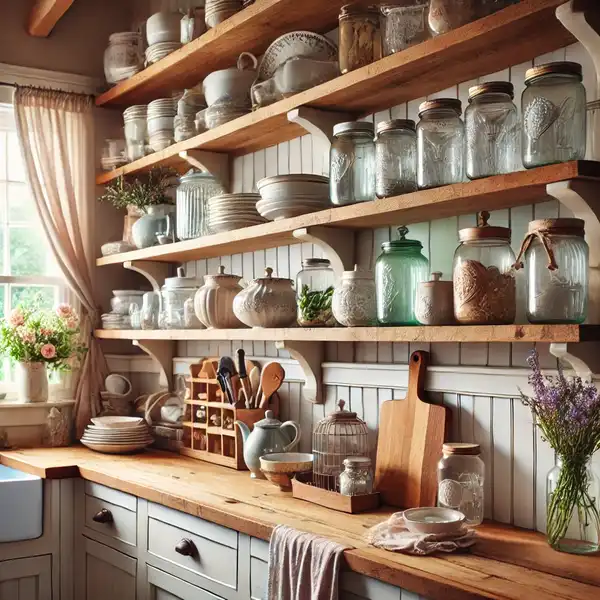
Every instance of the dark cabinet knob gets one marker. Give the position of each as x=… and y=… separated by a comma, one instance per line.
x=186, y=547
x=103, y=516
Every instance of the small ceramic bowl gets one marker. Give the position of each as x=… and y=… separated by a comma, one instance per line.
x=281, y=467
x=433, y=520
x=117, y=422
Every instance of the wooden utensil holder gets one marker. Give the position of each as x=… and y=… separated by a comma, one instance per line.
x=205, y=435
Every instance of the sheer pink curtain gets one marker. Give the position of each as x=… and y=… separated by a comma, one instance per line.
x=56, y=130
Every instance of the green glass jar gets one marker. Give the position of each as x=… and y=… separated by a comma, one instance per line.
x=398, y=271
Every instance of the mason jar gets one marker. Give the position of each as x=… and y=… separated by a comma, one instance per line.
x=492, y=128
x=314, y=290
x=357, y=477
x=554, y=114
x=360, y=36
x=556, y=262
x=440, y=143
x=395, y=158
x=193, y=193
x=352, y=163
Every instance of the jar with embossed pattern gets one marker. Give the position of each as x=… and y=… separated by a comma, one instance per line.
x=395, y=158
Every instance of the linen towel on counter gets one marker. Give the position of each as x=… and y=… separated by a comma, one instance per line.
x=394, y=536
x=303, y=566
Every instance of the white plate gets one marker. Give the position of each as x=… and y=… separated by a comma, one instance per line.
x=114, y=448
x=117, y=422
x=287, y=212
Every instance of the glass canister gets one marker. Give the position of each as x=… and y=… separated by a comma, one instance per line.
x=492, y=129
x=352, y=163
x=395, y=158
x=360, y=36
x=403, y=25
x=556, y=259
x=554, y=114
x=398, y=271
x=136, y=134
x=461, y=474
x=484, y=275
x=193, y=193
x=445, y=15
x=357, y=477
x=314, y=290
x=440, y=143
x=174, y=294
x=123, y=57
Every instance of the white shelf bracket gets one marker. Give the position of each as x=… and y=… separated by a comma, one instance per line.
x=310, y=357
x=317, y=122
x=337, y=245
x=215, y=163
x=162, y=351
x=154, y=272
x=580, y=367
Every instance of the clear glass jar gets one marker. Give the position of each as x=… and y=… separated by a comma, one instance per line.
x=492, y=129
x=398, y=271
x=136, y=131
x=404, y=26
x=553, y=108
x=440, y=143
x=360, y=36
x=395, y=158
x=461, y=474
x=445, y=15
x=174, y=294
x=193, y=193
x=357, y=477
x=314, y=290
x=556, y=260
x=352, y=163
x=484, y=276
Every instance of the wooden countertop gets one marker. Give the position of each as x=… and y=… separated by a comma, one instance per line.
x=505, y=563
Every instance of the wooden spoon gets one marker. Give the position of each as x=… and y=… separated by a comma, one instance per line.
x=254, y=377
x=271, y=378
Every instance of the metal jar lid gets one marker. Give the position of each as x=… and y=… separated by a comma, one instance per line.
x=484, y=231
x=357, y=462
x=492, y=87
x=316, y=262
x=196, y=176
x=402, y=242
x=439, y=104
x=354, y=126
x=558, y=227
x=462, y=449
x=358, y=10
x=396, y=125
x=554, y=68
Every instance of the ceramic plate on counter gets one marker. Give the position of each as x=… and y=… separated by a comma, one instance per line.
x=115, y=448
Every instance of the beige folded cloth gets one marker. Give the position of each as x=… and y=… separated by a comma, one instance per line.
x=392, y=535
x=303, y=566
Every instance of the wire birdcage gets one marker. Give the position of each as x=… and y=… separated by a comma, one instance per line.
x=338, y=436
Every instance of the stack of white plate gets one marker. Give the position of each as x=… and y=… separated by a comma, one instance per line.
x=286, y=196
x=157, y=51
x=161, y=123
x=233, y=211
x=117, y=435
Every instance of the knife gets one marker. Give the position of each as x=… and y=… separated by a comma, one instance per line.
x=241, y=354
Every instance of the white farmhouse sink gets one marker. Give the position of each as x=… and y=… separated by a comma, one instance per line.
x=21, y=505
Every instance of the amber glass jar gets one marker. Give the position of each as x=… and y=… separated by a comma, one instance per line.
x=360, y=36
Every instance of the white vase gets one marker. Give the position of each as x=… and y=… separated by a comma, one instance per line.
x=32, y=382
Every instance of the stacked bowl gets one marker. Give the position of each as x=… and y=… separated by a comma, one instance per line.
x=286, y=196
x=117, y=435
x=217, y=11
x=163, y=32
x=161, y=123
x=227, y=212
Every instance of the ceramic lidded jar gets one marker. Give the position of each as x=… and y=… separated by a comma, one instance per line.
x=354, y=301
x=213, y=302
x=435, y=304
x=267, y=302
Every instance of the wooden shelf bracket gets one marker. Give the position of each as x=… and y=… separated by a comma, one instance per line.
x=310, y=357
x=215, y=163
x=561, y=351
x=162, y=351
x=154, y=272
x=337, y=245
x=319, y=123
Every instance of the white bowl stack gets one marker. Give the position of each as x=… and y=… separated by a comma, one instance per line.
x=157, y=51
x=163, y=32
x=286, y=196
x=161, y=123
x=117, y=435
x=227, y=212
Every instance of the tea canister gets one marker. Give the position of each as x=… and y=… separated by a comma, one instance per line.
x=556, y=258
x=352, y=163
x=484, y=275
x=175, y=292
x=395, y=158
x=440, y=143
x=492, y=130
x=360, y=36
x=314, y=289
x=213, y=302
x=267, y=302
x=193, y=193
x=554, y=114
x=435, y=305
x=398, y=271
x=354, y=301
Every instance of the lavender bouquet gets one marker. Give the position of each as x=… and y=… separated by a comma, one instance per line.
x=567, y=411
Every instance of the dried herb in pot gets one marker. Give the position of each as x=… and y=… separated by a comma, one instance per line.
x=314, y=307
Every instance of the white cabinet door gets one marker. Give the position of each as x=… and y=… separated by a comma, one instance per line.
x=26, y=579
x=162, y=586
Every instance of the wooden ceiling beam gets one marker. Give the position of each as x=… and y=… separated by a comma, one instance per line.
x=45, y=14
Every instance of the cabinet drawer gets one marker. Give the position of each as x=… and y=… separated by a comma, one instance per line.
x=113, y=496
x=259, y=578
x=359, y=587
x=114, y=522
x=162, y=586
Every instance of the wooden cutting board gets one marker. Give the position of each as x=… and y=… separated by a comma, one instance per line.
x=411, y=434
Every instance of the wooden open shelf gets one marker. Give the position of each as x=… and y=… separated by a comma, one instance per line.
x=508, y=37
x=493, y=193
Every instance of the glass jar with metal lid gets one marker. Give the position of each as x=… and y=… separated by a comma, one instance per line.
x=554, y=114
x=398, y=271
x=484, y=275
x=193, y=192
x=175, y=292
x=492, y=129
x=395, y=158
x=440, y=143
x=352, y=163
x=314, y=290
x=556, y=260
x=461, y=475
x=360, y=36
x=357, y=477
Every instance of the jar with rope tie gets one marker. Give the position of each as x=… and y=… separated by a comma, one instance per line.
x=556, y=258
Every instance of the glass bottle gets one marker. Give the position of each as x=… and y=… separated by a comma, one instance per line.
x=193, y=193
x=404, y=25
x=360, y=36
x=352, y=163
x=461, y=474
x=398, y=271
x=492, y=129
x=553, y=108
x=395, y=158
x=556, y=260
x=357, y=477
x=440, y=143
x=314, y=290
